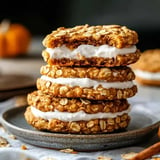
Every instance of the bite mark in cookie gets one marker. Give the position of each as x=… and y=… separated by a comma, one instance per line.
x=84, y=87
x=113, y=35
x=106, y=45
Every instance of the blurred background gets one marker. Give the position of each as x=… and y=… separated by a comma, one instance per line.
x=41, y=17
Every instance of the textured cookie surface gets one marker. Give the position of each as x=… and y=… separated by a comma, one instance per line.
x=147, y=68
x=93, y=126
x=108, y=74
x=113, y=35
x=148, y=61
x=119, y=60
x=47, y=103
x=99, y=93
x=84, y=87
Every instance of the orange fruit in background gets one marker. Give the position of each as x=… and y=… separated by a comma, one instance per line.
x=14, y=39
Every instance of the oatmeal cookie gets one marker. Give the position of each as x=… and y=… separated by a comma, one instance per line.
x=102, y=46
x=104, y=73
x=119, y=60
x=147, y=68
x=110, y=92
x=113, y=35
x=47, y=103
x=84, y=86
x=97, y=125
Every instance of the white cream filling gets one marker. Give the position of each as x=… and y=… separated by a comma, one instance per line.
x=147, y=75
x=77, y=116
x=87, y=82
x=89, y=51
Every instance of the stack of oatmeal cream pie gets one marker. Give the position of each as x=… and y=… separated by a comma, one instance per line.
x=85, y=85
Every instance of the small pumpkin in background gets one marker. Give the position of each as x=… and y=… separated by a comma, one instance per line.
x=14, y=39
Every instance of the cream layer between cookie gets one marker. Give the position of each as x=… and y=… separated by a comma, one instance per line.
x=87, y=82
x=147, y=75
x=76, y=116
x=89, y=51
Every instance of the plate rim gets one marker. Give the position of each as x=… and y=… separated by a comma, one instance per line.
x=95, y=142
x=69, y=135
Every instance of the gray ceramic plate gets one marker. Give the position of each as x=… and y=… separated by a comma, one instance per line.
x=143, y=125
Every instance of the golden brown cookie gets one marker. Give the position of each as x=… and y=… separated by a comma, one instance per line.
x=108, y=74
x=85, y=84
x=110, y=90
x=102, y=46
x=113, y=35
x=119, y=60
x=147, y=68
x=92, y=126
x=46, y=103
